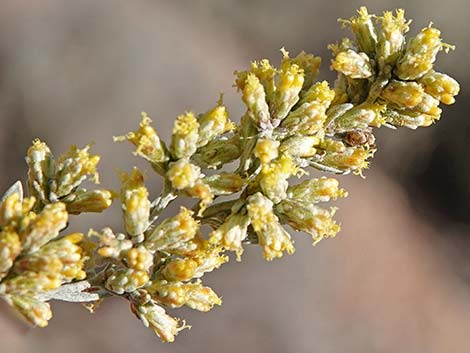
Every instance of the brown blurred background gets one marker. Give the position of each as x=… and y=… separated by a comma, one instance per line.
x=396, y=279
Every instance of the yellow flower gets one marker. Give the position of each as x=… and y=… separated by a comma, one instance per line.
x=266, y=150
x=352, y=159
x=126, y=280
x=185, y=136
x=440, y=86
x=10, y=248
x=182, y=269
x=135, y=202
x=289, y=83
x=72, y=168
x=391, y=36
x=316, y=190
x=40, y=170
x=352, y=64
x=310, y=115
x=161, y=323
x=274, y=177
x=33, y=310
x=14, y=209
x=264, y=72
x=63, y=257
x=147, y=141
x=271, y=235
x=89, y=201
x=420, y=54
x=404, y=94
x=139, y=258
x=309, y=64
x=254, y=98
x=231, y=233
x=213, y=124
x=173, y=232
x=45, y=226
x=183, y=174
x=177, y=294
x=308, y=218
x=363, y=29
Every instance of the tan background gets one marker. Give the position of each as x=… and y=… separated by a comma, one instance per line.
x=394, y=280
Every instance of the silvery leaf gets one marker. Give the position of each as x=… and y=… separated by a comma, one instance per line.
x=72, y=292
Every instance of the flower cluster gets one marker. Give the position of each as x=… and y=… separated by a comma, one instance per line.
x=292, y=123
x=34, y=257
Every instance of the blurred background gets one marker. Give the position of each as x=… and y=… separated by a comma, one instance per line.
x=396, y=279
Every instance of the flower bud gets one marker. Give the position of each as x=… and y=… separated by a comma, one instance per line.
x=203, y=258
x=161, y=323
x=360, y=117
x=310, y=65
x=352, y=159
x=44, y=227
x=147, y=142
x=72, y=168
x=126, y=280
x=308, y=218
x=274, y=177
x=31, y=283
x=310, y=115
x=265, y=73
x=352, y=64
x=177, y=294
x=332, y=145
x=364, y=31
x=254, y=98
x=428, y=105
x=62, y=258
x=440, y=86
x=182, y=269
x=409, y=119
x=139, y=259
x=217, y=153
x=135, y=203
x=33, y=310
x=404, y=94
x=271, y=235
x=391, y=37
x=266, y=150
x=213, y=124
x=231, y=233
x=89, y=201
x=224, y=183
x=111, y=245
x=173, y=232
x=185, y=136
x=300, y=146
x=182, y=174
x=316, y=190
x=289, y=83
x=41, y=170
x=10, y=248
x=203, y=192
x=420, y=54
x=13, y=209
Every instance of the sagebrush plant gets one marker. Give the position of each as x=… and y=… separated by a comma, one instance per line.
x=292, y=122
